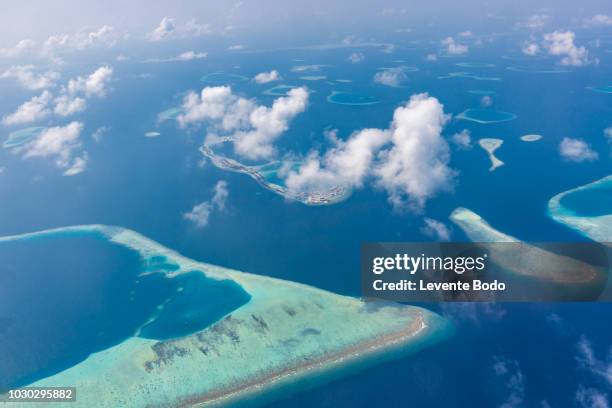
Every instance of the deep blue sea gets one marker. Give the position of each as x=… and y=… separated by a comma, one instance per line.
x=146, y=184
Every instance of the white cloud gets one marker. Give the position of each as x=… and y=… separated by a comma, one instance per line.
x=463, y=139
x=486, y=101
x=599, y=20
x=186, y=56
x=73, y=98
x=200, y=213
x=466, y=34
x=431, y=57
x=530, y=49
x=78, y=165
x=390, y=77
x=412, y=169
x=216, y=105
x=416, y=166
x=356, y=57
x=561, y=43
x=599, y=367
x=164, y=30
x=94, y=85
x=191, y=55
x=21, y=48
x=348, y=163
x=474, y=313
x=591, y=398
x=608, y=134
x=577, y=150
x=436, y=229
x=510, y=373
x=221, y=194
x=253, y=127
x=25, y=76
x=168, y=29
x=35, y=109
x=265, y=77
x=56, y=142
x=66, y=105
x=535, y=21
x=453, y=47
x=267, y=124
x=99, y=133
x=235, y=47
x=105, y=36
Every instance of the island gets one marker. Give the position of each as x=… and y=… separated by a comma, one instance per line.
x=531, y=138
x=572, y=277
x=286, y=337
x=490, y=146
x=597, y=227
x=331, y=196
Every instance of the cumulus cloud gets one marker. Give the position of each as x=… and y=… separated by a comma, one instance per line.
x=409, y=160
x=57, y=142
x=463, y=139
x=599, y=20
x=348, y=163
x=486, y=101
x=356, y=57
x=93, y=85
x=200, y=213
x=253, y=128
x=530, y=49
x=185, y=56
x=453, y=47
x=164, y=30
x=265, y=77
x=435, y=229
x=78, y=165
x=25, y=76
x=473, y=313
x=587, y=358
x=35, y=109
x=535, y=21
x=390, y=77
x=561, y=43
x=191, y=55
x=591, y=398
x=608, y=134
x=168, y=29
x=99, y=133
x=66, y=105
x=577, y=150
x=221, y=194
x=105, y=36
x=19, y=49
x=416, y=167
x=509, y=372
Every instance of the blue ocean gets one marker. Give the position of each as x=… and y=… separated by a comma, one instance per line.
x=63, y=299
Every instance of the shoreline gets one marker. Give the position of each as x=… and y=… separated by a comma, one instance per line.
x=353, y=354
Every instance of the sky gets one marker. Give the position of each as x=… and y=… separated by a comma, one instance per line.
x=37, y=20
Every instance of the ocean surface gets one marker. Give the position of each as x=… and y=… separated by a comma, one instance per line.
x=70, y=296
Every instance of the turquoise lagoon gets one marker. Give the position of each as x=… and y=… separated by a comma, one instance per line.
x=484, y=116
x=180, y=331
x=350, y=99
x=23, y=136
x=223, y=78
x=601, y=89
